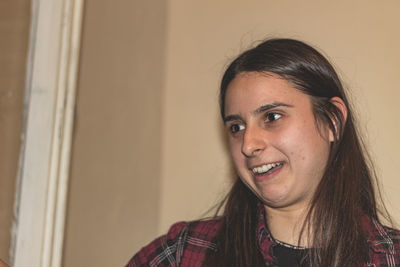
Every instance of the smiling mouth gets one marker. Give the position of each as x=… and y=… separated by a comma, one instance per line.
x=267, y=168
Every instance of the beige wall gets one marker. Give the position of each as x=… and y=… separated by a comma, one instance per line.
x=148, y=148
x=115, y=175
x=14, y=33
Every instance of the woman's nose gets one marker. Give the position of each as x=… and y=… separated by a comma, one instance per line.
x=253, y=141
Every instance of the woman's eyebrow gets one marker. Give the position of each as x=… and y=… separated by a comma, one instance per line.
x=259, y=110
x=270, y=106
x=232, y=118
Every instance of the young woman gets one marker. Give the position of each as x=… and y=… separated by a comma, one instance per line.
x=305, y=195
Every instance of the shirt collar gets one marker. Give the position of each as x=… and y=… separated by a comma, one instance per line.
x=377, y=237
x=265, y=240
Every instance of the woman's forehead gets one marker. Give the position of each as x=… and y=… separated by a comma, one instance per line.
x=253, y=89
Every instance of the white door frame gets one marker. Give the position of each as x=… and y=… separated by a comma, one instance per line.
x=42, y=183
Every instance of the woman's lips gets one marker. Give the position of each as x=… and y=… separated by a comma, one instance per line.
x=266, y=171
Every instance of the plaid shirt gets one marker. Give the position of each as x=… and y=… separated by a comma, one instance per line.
x=187, y=243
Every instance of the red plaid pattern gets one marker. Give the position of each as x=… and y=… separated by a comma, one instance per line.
x=187, y=243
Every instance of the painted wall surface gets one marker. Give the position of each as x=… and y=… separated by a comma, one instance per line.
x=149, y=146
x=14, y=35
x=115, y=175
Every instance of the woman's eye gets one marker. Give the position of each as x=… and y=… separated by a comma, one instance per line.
x=273, y=117
x=234, y=128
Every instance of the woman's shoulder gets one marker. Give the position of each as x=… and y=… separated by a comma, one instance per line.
x=205, y=229
x=378, y=233
x=394, y=236
x=384, y=242
x=392, y=232
x=183, y=239
x=200, y=229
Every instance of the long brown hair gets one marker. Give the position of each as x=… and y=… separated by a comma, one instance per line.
x=346, y=191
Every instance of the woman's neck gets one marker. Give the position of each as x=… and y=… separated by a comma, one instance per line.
x=286, y=224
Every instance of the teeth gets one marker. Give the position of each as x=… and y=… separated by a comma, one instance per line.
x=266, y=167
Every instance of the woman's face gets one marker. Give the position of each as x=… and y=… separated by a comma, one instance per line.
x=277, y=147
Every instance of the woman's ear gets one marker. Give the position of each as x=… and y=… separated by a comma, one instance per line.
x=341, y=106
